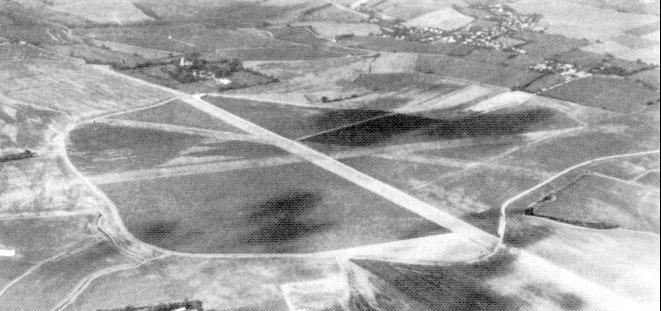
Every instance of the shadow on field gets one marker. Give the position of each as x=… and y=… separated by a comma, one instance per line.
x=283, y=219
x=411, y=128
x=455, y=287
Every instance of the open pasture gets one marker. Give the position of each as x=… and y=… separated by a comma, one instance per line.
x=387, y=44
x=44, y=288
x=38, y=239
x=180, y=114
x=631, y=273
x=594, y=201
x=445, y=19
x=614, y=94
x=278, y=53
x=402, y=171
x=102, y=11
x=493, y=74
x=297, y=208
x=72, y=87
x=246, y=284
x=578, y=21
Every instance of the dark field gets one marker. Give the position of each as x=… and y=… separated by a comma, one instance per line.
x=454, y=67
x=458, y=287
x=598, y=202
x=401, y=128
x=619, y=95
x=296, y=208
x=181, y=114
x=291, y=121
x=55, y=279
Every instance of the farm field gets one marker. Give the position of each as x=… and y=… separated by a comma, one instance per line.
x=324, y=212
x=400, y=46
x=601, y=202
x=619, y=95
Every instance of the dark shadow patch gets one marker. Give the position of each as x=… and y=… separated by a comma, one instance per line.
x=520, y=233
x=284, y=219
x=410, y=128
x=166, y=234
x=570, y=302
x=426, y=229
x=332, y=118
x=459, y=287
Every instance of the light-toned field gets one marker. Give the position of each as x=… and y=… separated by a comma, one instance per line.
x=71, y=87
x=103, y=11
x=445, y=19
x=331, y=30
x=582, y=22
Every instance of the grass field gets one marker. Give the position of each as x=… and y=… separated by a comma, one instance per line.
x=632, y=273
x=44, y=288
x=452, y=67
x=72, y=87
x=477, y=194
x=283, y=53
x=400, y=173
x=611, y=137
x=102, y=11
x=245, y=284
x=39, y=239
x=446, y=19
x=96, y=55
x=181, y=114
x=595, y=201
x=650, y=179
x=614, y=94
x=627, y=168
x=578, y=21
x=402, y=46
x=97, y=148
x=296, y=208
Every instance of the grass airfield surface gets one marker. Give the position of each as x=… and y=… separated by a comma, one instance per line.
x=389, y=200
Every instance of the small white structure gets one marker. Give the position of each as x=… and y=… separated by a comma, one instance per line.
x=7, y=252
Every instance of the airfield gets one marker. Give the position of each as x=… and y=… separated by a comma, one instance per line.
x=344, y=168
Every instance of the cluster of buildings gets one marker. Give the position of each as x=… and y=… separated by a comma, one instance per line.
x=500, y=20
x=568, y=71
